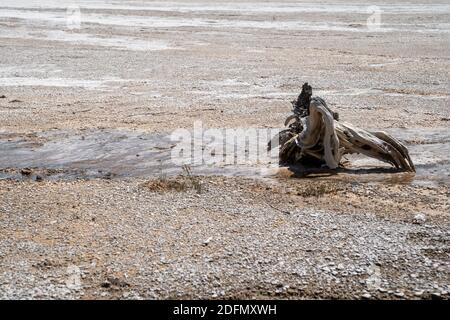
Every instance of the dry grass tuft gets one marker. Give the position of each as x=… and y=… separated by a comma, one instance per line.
x=164, y=185
x=319, y=189
x=185, y=182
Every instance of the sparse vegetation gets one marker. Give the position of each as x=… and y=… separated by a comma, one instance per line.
x=186, y=181
x=194, y=180
x=319, y=189
x=164, y=185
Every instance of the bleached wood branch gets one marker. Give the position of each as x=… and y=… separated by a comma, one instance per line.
x=320, y=136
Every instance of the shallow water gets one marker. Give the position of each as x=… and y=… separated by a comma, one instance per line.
x=118, y=153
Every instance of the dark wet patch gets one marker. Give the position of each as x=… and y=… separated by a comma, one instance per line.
x=108, y=154
x=93, y=154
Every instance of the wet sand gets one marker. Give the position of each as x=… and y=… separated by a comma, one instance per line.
x=84, y=124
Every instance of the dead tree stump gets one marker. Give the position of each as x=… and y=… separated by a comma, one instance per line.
x=315, y=135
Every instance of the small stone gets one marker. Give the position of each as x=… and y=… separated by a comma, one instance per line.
x=26, y=171
x=399, y=294
x=366, y=296
x=418, y=293
x=419, y=218
x=207, y=241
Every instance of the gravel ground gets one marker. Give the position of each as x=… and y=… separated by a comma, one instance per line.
x=155, y=68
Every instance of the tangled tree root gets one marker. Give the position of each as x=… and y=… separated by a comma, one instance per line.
x=315, y=135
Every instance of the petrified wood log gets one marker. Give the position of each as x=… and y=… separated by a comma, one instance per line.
x=316, y=135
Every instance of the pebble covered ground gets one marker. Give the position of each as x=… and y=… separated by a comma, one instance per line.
x=230, y=238
x=163, y=66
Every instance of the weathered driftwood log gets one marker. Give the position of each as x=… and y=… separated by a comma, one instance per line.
x=315, y=135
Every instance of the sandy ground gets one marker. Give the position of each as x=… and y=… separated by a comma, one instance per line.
x=144, y=67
